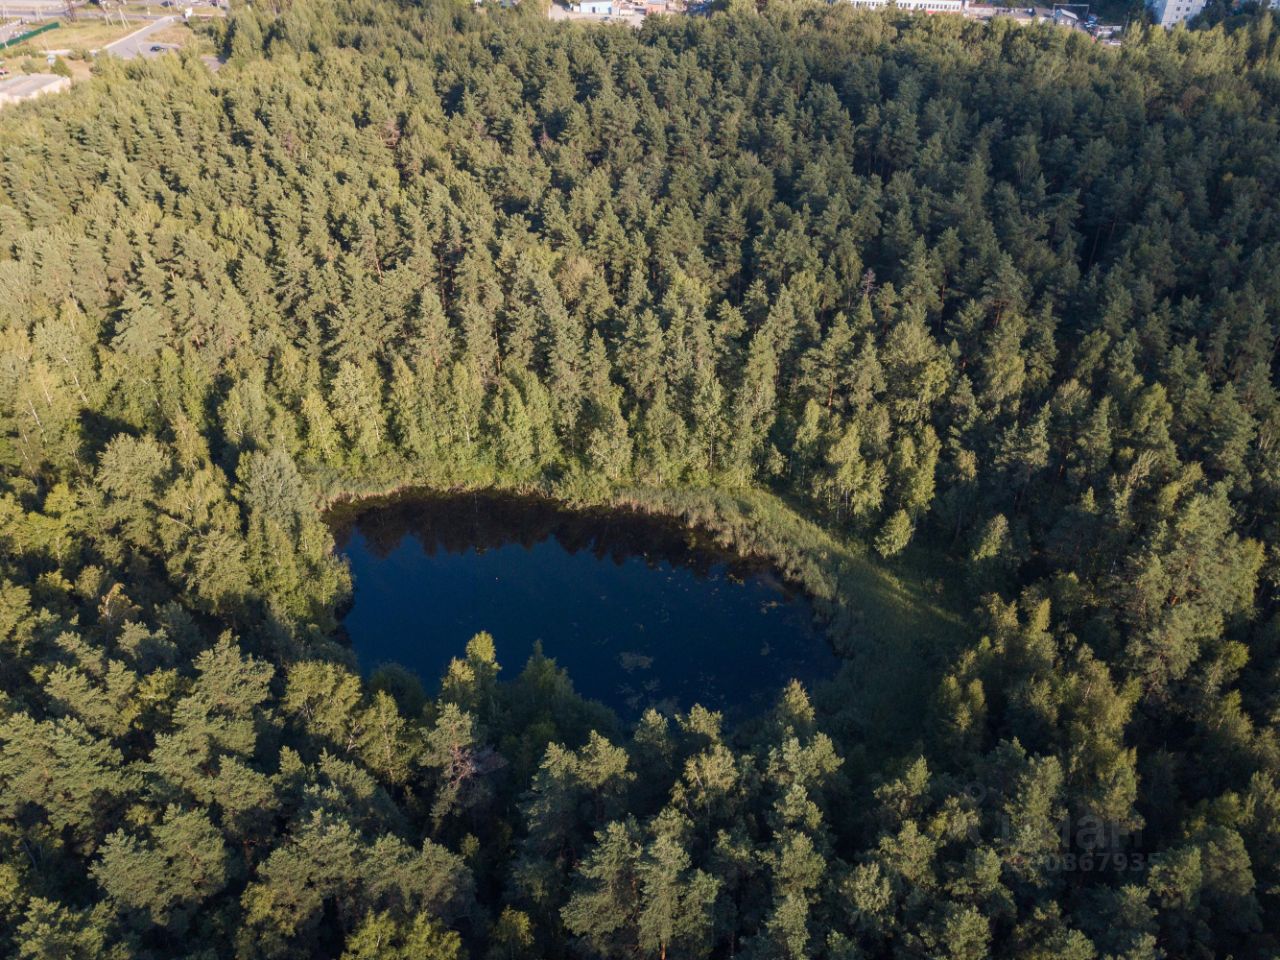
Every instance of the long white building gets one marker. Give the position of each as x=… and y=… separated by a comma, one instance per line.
x=932, y=6
x=917, y=6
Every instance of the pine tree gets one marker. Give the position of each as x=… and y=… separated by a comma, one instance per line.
x=183, y=863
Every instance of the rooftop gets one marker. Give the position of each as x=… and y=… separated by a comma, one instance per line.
x=28, y=85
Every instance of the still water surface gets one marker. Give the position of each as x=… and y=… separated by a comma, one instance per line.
x=637, y=610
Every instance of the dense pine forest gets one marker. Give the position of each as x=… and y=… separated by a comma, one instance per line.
x=985, y=315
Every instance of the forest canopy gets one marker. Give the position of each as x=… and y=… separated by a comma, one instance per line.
x=848, y=288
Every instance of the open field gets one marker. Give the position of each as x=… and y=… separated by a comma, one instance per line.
x=80, y=69
x=81, y=35
x=94, y=36
x=177, y=33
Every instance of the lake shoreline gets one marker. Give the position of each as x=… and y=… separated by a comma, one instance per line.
x=641, y=608
x=895, y=627
x=344, y=512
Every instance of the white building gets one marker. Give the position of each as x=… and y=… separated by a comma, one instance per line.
x=602, y=8
x=914, y=6
x=28, y=86
x=932, y=6
x=1170, y=12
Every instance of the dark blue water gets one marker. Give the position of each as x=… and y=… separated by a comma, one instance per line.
x=636, y=610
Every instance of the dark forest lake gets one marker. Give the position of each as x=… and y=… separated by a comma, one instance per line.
x=639, y=610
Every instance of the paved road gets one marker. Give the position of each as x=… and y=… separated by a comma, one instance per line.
x=34, y=10
x=136, y=44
